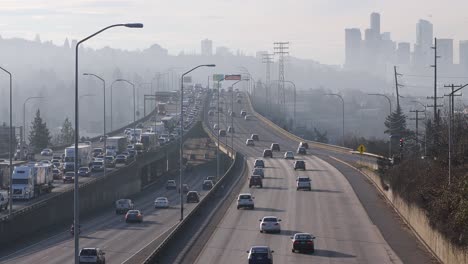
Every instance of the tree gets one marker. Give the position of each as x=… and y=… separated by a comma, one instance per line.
x=39, y=135
x=67, y=133
x=396, y=124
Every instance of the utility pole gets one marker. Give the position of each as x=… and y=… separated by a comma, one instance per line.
x=417, y=121
x=267, y=59
x=436, y=116
x=397, y=85
x=282, y=49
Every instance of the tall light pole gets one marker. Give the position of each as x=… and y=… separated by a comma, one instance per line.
x=181, y=165
x=217, y=133
x=24, y=114
x=134, y=109
x=10, y=145
x=104, y=110
x=390, y=138
x=76, y=208
x=342, y=101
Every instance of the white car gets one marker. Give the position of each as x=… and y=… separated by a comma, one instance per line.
x=171, y=185
x=249, y=142
x=245, y=200
x=303, y=182
x=270, y=224
x=47, y=152
x=161, y=202
x=248, y=117
x=289, y=155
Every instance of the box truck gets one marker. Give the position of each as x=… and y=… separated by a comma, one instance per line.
x=85, y=156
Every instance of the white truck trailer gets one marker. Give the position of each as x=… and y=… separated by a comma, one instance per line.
x=85, y=156
x=32, y=180
x=149, y=141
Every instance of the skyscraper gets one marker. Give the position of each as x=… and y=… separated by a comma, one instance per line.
x=445, y=51
x=403, y=53
x=375, y=23
x=464, y=53
x=422, y=49
x=352, y=48
x=206, y=47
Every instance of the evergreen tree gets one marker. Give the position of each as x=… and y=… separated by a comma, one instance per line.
x=396, y=124
x=67, y=133
x=39, y=135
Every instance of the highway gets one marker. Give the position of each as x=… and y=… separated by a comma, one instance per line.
x=332, y=211
x=110, y=232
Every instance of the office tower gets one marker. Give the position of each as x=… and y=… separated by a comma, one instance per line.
x=352, y=48
x=206, y=47
x=403, y=53
x=445, y=51
x=464, y=53
x=423, y=54
x=375, y=23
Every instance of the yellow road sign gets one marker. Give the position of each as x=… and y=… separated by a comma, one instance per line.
x=361, y=148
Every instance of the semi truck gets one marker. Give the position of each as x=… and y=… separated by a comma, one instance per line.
x=149, y=141
x=30, y=181
x=85, y=157
x=116, y=144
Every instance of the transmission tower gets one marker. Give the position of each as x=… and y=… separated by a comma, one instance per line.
x=282, y=49
x=267, y=58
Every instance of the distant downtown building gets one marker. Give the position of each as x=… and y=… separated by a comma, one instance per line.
x=445, y=51
x=463, y=57
x=352, y=47
x=206, y=47
x=423, y=53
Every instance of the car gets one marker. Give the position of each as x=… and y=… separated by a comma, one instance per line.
x=270, y=224
x=110, y=161
x=140, y=125
x=56, y=174
x=304, y=145
x=245, y=200
x=289, y=155
x=255, y=137
x=222, y=133
x=301, y=151
x=232, y=113
x=171, y=185
x=92, y=255
x=47, y=152
x=131, y=146
x=46, y=162
x=248, y=117
x=185, y=188
x=259, y=163
x=121, y=159
x=84, y=172
x=207, y=185
x=231, y=129
x=102, y=138
x=210, y=113
x=260, y=255
x=258, y=171
x=68, y=177
x=97, y=165
x=97, y=152
x=243, y=113
x=59, y=158
x=275, y=147
x=122, y=206
x=132, y=154
x=255, y=180
x=299, y=165
x=192, y=197
x=161, y=202
x=215, y=127
x=249, y=142
x=211, y=178
x=56, y=162
x=303, y=242
x=267, y=153
x=134, y=216
x=303, y=183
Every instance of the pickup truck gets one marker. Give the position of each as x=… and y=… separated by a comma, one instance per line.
x=4, y=201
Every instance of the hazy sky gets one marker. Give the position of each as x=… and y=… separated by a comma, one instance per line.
x=315, y=28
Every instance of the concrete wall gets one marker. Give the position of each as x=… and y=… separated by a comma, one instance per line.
x=416, y=218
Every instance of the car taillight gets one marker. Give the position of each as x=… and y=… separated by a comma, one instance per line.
x=296, y=242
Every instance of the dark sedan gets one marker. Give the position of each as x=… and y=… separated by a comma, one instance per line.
x=121, y=159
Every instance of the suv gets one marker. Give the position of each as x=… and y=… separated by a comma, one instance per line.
x=267, y=153
x=245, y=200
x=255, y=137
x=243, y=113
x=92, y=255
x=171, y=185
x=303, y=182
x=259, y=163
x=299, y=165
x=259, y=172
x=304, y=145
x=260, y=254
x=207, y=185
x=275, y=147
x=192, y=197
x=122, y=206
x=255, y=180
x=301, y=150
x=222, y=133
x=249, y=142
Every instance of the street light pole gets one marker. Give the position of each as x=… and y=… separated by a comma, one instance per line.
x=342, y=101
x=181, y=150
x=390, y=138
x=104, y=115
x=76, y=185
x=10, y=145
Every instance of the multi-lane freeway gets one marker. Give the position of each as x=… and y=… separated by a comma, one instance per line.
x=332, y=211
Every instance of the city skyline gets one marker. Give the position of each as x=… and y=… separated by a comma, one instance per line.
x=237, y=29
